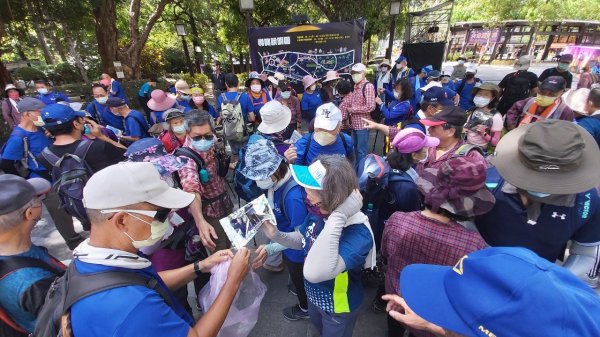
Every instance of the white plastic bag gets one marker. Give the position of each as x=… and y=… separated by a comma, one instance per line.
x=243, y=313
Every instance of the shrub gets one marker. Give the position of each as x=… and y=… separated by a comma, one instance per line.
x=242, y=77
x=199, y=80
x=174, y=60
x=152, y=61
x=29, y=74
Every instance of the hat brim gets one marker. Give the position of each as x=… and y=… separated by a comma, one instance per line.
x=580, y=179
x=40, y=185
x=331, y=79
x=168, y=103
x=248, y=81
x=303, y=177
x=279, y=126
x=423, y=288
x=173, y=199
x=19, y=90
x=432, y=122
x=313, y=81
x=325, y=125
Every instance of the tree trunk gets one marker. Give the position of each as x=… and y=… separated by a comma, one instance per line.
x=5, y=76
x=39, y=32
x=105, y=15
x=76, y=57
x=52, y=29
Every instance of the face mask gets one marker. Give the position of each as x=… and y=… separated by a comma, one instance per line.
x=179, y=129
x=186, y=97
x=286, y=94
x=13, y=95
x=480, y=101
x=102, y=100
x=202, y=145
x=198, y=99
x=324, y=138
x=265, y=184
x=255, y=88
x=86, y=129
x=396, y=95
x=39, y=121
x=426, y=157
x=42, y=91
x=116, y=113
x=538, y=194
x=563, y=66
x=469, y=76
x=399, y=66
x=383, y=69
x=312, y=87
x=461, y=62
x=314, y=209
x=544, y=101
x=157, y=231
x=357, y=78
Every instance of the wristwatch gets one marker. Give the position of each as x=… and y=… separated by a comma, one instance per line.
x=197, y=270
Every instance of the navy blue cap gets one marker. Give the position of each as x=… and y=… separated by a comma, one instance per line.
x=435, y=73
x=437, y=95
x=56, y=114
x=502, y=291
x=400, y=59
x=554, y=84
x=115, y=102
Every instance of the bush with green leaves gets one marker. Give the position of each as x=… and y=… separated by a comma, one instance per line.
x=29, y=74
x=242, y=77
x=197, y=80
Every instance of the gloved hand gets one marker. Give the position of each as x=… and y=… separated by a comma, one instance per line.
x=351, y=205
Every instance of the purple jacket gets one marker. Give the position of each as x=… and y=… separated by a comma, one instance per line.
x=10, y=113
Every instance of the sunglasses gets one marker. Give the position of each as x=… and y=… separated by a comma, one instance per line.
x=160, y=215
x=205, y=137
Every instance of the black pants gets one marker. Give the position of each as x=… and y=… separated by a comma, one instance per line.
x=395, y=328
x=62, y=220
x=297, y=276
x=144, y=104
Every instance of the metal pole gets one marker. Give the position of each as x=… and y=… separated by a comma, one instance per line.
x=388, y=52
x=186, y=52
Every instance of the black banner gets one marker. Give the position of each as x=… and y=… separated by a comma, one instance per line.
x=296, y=51
x=422, y=54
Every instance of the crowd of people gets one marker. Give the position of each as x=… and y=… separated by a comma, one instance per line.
x=480, y=208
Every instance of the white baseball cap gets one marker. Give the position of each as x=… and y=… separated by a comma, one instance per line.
x=327, y=117
x=275, y=117
x=431, y=85
x=472, y=68
x=359, y=68
x=129, y=183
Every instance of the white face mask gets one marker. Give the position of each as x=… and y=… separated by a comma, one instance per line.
x=255, y=88
x=461, y=62
x=324, y=138
x=42, y=91
x=426, y=157
x=286, y=94
x=312, y=87
x=157, y=231
x=39, y=121
x=399, y=66
x=481, y=101
x=265, y=184
x=102, y=100
x=357, y=78
x=396, y=95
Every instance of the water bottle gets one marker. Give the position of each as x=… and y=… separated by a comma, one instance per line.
x=373, y=216
x=204, y=176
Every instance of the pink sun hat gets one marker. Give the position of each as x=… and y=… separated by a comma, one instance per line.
x=411, y=140
x=160, y=101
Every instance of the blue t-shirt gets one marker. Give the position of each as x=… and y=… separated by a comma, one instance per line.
x=592, y=125
x=354, y=246
x=136, y=125
x=50, y=98
x=116, y=90
x=316, y=149
x=17, y=288
x=211, y=110
x=145, y=90
x=294, y=215
x=246, y=103
x=466, y=94
x=106, y=116
x=310, y=103
x=184, y=104
x=127, y=311
x=259, y=102
x=38, y=141
x=507, y=224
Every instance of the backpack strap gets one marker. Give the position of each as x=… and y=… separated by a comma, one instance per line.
x=461, y=86
x=349, y=152
x=189, y=153
x=464, y=149
x=286, y=188
x=82, y=285
x=82, y=148
x=14, y=263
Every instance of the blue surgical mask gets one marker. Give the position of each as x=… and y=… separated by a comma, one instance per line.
x=286, y=94
x=538, y=194
x=186, y=97
x=86, y=129
x=179, y=129
x=202, y=145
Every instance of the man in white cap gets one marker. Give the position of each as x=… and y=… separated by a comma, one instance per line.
x=362, y=103
x=327, y=138
x=129, y=206
x=517, y=85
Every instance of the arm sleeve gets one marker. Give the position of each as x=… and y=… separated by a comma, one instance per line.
x=323, y=261
x=569, y=81
x=291, y=240
x=13, y=149
x=134, y=128
x=190, y=182
x=543, y=76
x=502, y=83
x=304, y=103
x=300, y=149
x=64, y=97
x=497, y=122
x=513, y=114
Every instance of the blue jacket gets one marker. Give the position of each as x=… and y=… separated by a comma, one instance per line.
x=396, y=112
x=592, y=125
x=309, y=104
x=104, y=115
x=116, y=90
x=50, y=98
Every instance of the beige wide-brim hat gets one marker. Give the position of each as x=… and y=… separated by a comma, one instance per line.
x=576, y=99
x=551, y=156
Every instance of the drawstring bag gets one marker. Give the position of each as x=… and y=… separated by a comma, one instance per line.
x=243, y=314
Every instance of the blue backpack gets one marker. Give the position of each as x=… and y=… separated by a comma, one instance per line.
x=70, y=173
x=245, y=188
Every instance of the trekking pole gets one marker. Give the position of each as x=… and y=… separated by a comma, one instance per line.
x=375, y=142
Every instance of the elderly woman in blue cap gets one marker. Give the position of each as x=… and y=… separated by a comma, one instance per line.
x=336, y=240
x=270, y=171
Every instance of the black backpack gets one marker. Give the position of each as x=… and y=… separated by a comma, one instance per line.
x=517, y=88
x=54, y=317
x=70, y=173
x=8, y=327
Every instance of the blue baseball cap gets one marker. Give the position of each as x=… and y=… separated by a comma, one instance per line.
x=56, y=114
x=309, y=176
x=502, y=291
x=437, y=94
x=400, y=59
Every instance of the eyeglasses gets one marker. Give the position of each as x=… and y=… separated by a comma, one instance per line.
x=160, y=215
x=205, y=137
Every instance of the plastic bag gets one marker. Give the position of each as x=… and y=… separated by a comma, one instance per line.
x=243, y=313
